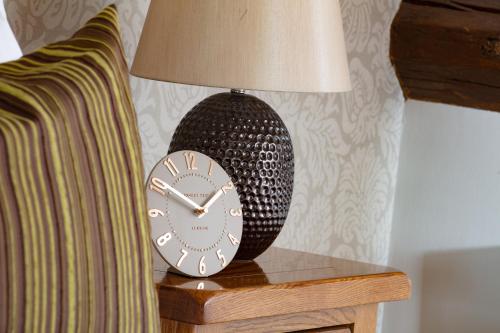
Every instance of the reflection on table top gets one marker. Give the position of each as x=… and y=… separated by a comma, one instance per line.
x=275, y=267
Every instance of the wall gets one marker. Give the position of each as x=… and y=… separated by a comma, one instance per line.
x=346, y=145
x=446, y=229
x=10, y=48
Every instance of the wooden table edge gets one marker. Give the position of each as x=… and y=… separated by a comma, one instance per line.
x=210, y=307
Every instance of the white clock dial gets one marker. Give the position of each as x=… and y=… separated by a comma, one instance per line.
x=195, y=213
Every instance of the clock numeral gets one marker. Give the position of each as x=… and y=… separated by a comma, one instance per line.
x=222, y=258
x=190, y=161
x=202, y=267
x=201, y=285
x=181, y=259
x=158, y=185
x=155, y=212
x=233, y=239
x=210, y=167
x=171, y=167
x=163, y=239
x=227, y=187
x=236, y=212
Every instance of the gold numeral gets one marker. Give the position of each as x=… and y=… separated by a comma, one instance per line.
x=201, y=285
x=181, y=259
x=222, y=258
x=202, y=267
x=236, y=212
x=158, y=185
x=233, y=239
x=155, y=212
x=190, y=161
x=163, y=239
x=171, y=167
x=227, y=187
x=210, y=167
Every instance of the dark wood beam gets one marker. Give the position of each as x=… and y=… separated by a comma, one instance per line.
x=449, y=51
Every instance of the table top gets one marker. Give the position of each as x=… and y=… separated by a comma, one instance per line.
x=278, y=282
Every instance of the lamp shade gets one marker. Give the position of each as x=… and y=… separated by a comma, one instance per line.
x=277, y=45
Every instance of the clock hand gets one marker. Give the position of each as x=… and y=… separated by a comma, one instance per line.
x=213, y=199
x=183, y=197
x=210, y=202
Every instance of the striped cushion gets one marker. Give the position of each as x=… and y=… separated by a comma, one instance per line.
x=74, y=237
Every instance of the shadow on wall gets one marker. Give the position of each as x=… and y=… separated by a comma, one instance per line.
x=461, y=291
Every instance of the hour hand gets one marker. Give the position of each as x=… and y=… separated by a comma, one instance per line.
x=184, y=198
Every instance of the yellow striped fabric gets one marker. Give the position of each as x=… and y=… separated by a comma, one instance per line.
x=74, y=237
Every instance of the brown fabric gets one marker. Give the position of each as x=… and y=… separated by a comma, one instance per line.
x=74, y=236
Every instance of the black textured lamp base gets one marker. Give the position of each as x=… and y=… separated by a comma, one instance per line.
x=250, y=141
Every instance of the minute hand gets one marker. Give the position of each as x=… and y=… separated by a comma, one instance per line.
x=213, y=199
x=210, y=202
x=183, y=197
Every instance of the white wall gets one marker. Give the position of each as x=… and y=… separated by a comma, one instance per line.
x=446, y=226
x=10, y=48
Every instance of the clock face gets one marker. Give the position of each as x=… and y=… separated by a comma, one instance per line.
x=195, y=213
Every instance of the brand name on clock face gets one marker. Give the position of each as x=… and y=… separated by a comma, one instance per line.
x=196, y=195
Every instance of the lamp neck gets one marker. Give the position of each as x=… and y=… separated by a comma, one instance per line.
x=238, y=91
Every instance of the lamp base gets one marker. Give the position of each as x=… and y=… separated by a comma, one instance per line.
x=250, y=141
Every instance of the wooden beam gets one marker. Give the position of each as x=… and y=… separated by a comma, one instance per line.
x=449, y=51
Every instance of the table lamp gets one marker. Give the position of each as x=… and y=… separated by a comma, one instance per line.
x=272, y=45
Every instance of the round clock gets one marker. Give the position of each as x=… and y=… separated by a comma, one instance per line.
x=195, y=213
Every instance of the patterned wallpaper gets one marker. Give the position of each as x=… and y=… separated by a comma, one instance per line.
x=346, y=145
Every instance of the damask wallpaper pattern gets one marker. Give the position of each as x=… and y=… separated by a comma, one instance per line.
x=346, y=145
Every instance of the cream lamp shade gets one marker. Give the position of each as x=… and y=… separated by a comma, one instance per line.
x=277, y=45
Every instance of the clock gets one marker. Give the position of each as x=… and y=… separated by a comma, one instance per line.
x=195, y=213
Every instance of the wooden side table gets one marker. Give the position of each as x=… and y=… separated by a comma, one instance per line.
x=281, y=291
